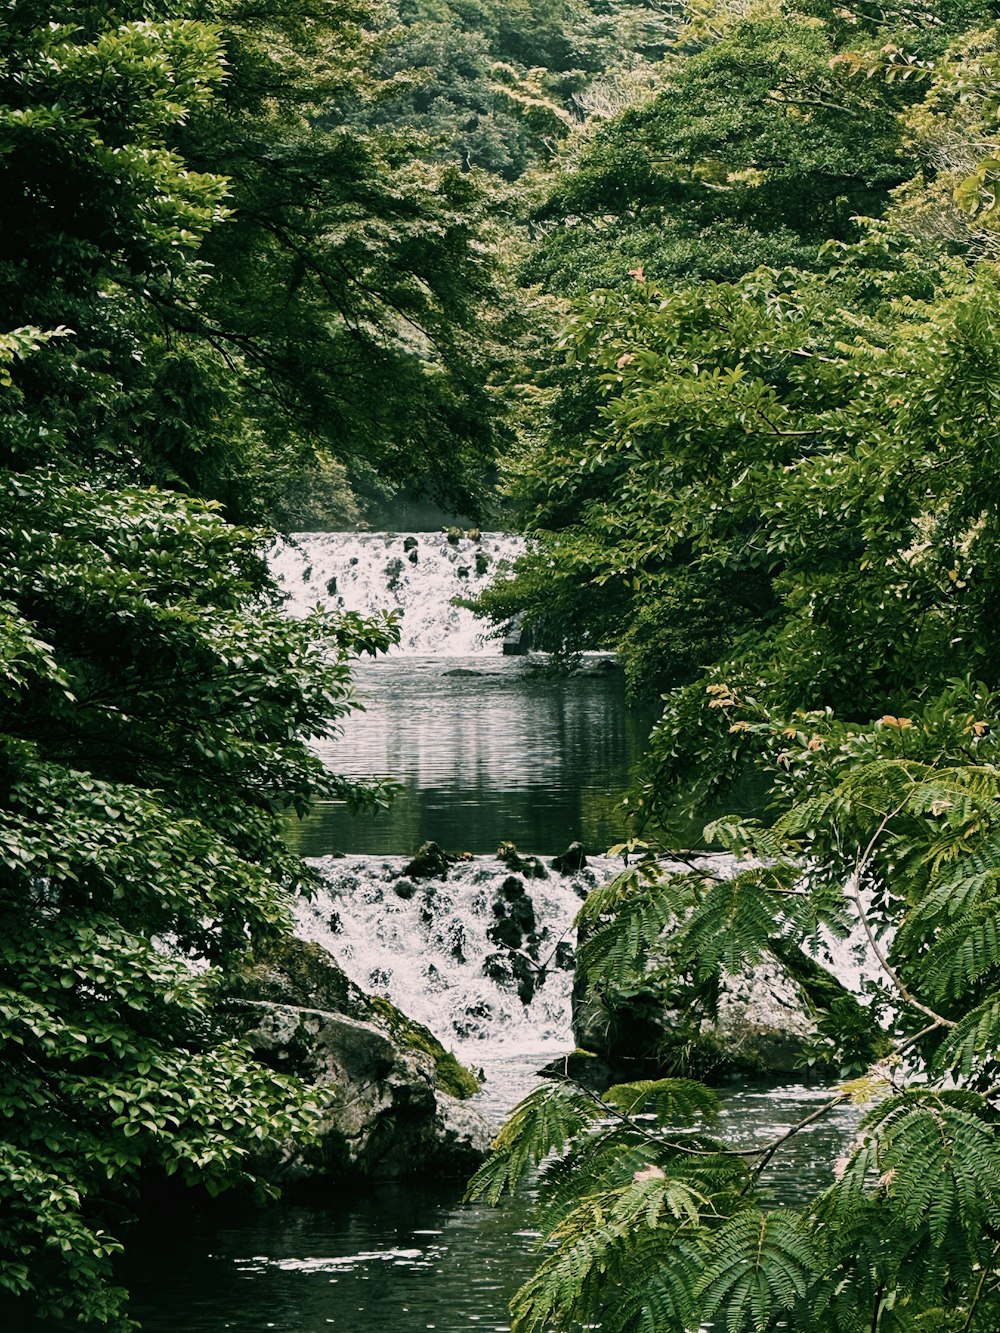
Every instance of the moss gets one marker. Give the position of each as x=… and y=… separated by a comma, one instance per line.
x=449, y=1075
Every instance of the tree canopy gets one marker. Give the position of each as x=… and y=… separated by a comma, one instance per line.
x=764, y=475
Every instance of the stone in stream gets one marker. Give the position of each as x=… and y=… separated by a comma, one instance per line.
x=392, y=1095
x=529, y=866
x=571, y=861
x=431, y=862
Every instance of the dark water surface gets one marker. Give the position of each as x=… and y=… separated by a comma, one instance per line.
x=487, y=748
x=406, y=1258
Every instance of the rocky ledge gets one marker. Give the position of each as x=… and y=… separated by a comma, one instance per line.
x=392, y=1096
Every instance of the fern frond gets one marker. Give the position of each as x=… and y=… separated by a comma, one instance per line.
x=672, y=1100
x=760, y=1264
x=629, y=1231
x=749, y=837
x=607, y=899
x=619, y=948
x=732, y=925
x=963, y=954
x=974, y=1042
x=545, y=1121
x=938, y=1160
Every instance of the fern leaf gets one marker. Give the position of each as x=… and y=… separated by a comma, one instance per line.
x=761, y=1263
x=544, y=1122
x=963, y=954
x=673, y=1100
x=732, y=925
x=974, y=1043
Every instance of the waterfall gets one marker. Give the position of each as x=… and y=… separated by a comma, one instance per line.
x=484, y=957
x=415, y=574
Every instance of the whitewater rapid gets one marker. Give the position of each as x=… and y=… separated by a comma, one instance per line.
x=416, y=575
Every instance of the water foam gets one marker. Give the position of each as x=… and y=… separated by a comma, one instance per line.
x=416, y=575
x=431, y=953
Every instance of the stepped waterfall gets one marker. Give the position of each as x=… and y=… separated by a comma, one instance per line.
x=484, y=956
x=490, y=752
x=415, y=574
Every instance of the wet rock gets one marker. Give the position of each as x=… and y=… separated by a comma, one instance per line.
x=393, y=573
x=431, y=862
x=529, y=866
x=464, y=671
x=463, y=571
x=410, y=543
x=572, y=860
x=517, y=642
x=505, y=932
x=482, y=562
x=387, y=1084
x=755, y=1023
x=564, y=956
x=413, y=557
x=453, y=536
x=331, y=586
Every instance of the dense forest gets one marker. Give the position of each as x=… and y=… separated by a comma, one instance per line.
x=703, y=298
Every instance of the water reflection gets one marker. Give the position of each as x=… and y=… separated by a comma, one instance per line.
x=402, y=1259
x=497, y=751
x=396, y=1260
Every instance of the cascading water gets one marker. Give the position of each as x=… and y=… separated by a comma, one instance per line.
x=415, y=574
x=483, y=957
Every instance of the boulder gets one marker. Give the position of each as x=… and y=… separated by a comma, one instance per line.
x=391, y=1095
x=572, y=860
x=757, y=1023
x=431, y=862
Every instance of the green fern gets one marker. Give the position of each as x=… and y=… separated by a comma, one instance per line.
x=973, y=1045
x=760, y=1264
x=620, y=947
x=732, y=925
x=673, y=1100
x=544, y=1122
x=626, y=1231
x=964, y=955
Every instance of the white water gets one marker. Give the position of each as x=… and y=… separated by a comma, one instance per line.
x=374, y=571
x=431, y=954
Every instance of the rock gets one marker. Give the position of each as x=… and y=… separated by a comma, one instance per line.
x=430, y=862
x=517, y=642
x=410, y=543
x=755, y=1023
x=529, y=866
x=482, y=562
x=390, y=1092
x=331, y=586
x=572, y=860
x=453, y=536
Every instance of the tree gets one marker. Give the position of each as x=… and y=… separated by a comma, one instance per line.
x=651, y=1219
x=156, y=707
x=782, y=511
x=756, y=147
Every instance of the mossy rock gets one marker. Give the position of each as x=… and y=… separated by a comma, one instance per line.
x=298, y=972
x=449, y=1075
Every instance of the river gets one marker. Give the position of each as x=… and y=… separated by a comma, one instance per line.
x=488, y=748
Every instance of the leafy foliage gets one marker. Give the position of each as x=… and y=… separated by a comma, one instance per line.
x=905, y=1235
